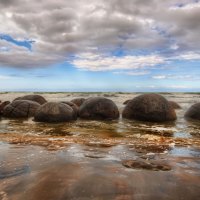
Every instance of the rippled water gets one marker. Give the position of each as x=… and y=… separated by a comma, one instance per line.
x=88, y=159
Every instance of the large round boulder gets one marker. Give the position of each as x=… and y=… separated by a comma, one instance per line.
x=98, y=108
x=73, y=106
x=3, y=105
x=193, y=112
x=21, y=109
x=78, y=101
x=54, y=112
x=33, y=97
x=149, y=107
x=174, y=105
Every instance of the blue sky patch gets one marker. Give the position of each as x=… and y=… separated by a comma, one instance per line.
x=22, y=43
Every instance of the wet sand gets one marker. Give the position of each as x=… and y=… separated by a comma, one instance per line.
x=98, y=160
x=85, y=172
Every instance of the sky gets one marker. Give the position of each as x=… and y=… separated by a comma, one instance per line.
x=100, y=45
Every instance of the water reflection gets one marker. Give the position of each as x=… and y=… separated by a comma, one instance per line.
x=70, y=174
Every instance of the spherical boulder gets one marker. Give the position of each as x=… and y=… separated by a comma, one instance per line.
x=54, y=112
x=73, y=106
x=174, y=105
x=98, y=108
x=21, y=109
x=33, y=97
x=78, y=101
x=193, y=112
x=3, y=105
x=149, y=107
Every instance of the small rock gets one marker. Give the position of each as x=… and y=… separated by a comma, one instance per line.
x=148, y=165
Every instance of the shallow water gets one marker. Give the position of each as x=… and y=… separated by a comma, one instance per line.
x=88, y=159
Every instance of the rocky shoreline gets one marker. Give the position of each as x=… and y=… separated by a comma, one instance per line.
x=145, y=107
x=96, y=156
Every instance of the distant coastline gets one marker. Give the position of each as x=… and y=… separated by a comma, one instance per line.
x=97, y=92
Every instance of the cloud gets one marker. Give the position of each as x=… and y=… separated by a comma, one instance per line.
x=66, y=28
x=167, y=88
x=186, y=77
x=189, y=6
x=2, y=77
x=133, y=73
x=188, y=56
x=148, y=86
x=24, y=59
x=180, y=87
x=97, y=62
x=159, y=77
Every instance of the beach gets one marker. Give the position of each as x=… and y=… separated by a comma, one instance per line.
x=89, y=159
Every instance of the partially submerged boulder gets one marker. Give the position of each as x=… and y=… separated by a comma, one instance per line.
x=33, y=97
x=21, y=109
x=98, y=108
x=174, y=105
x=149, y=107
x=78, y=101
x=3, y=105
x=54, y=112
x=193, y=112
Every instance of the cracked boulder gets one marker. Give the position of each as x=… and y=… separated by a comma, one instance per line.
x=33, y=97
x=54, y=112
x=98, y=108
x=3, y=105
x=78, y=101
x=73, y=106
x=21, y=109
x=149, y=107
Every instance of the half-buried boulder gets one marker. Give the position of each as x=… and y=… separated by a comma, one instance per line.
x=73, y=106
x=78, y=101
x=193, y=112
x=33, y=97
x=149, y=107
x=21, y=109
x=174, y=105
x=98, y=108
x=54, y=112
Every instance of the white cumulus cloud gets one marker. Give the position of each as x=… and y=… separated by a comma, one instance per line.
x=97, y=62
